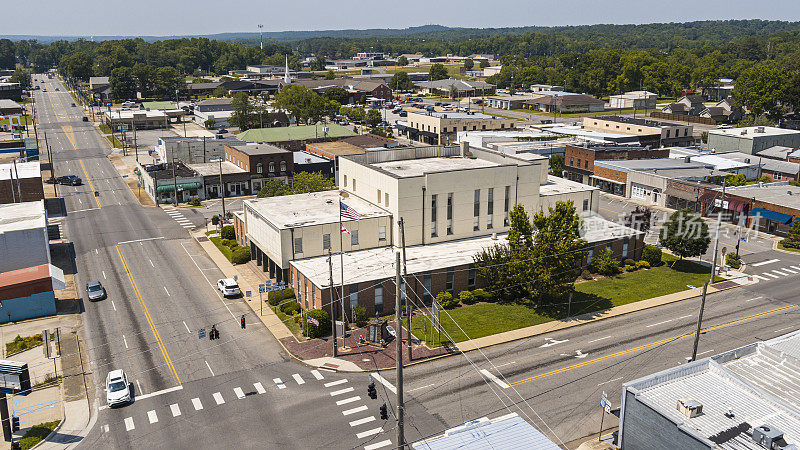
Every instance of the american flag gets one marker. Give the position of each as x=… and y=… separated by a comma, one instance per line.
x=348, y=212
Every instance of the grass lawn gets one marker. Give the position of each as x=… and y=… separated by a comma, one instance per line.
x=288, y=321
x=788, y=249
x=36, y=434
x=105, y=128
x=225, y=250
x=114, y=141
x=485, y=319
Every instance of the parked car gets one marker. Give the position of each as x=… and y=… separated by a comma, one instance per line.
x=51, y=180
x=118, y=390
x=228, y=287
x=70, y=180
x=403, y=114
x=95, y=291
x=73, y=105
x=438, y=104
x=392, y=333
x=85, y=119
x=222, y=131
x=57, y=89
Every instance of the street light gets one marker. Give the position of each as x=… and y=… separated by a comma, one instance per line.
x=221, y=186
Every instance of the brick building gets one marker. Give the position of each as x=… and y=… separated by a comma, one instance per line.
x=263, y=162
x=579, y=164
x=21, y=182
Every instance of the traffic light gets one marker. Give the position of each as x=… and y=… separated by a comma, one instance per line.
x=14, y=424
x=384, y=414
x=373, y=394
x=243, y=325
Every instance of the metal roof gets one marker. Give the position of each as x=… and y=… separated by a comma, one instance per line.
x=507, y=432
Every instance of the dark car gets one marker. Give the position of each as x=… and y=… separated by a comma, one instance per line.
x=95, y=291
x=51, y=180
x=70, y=180
x=85, y=119
x=403, y=114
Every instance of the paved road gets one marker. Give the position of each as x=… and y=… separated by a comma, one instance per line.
x=241, y=391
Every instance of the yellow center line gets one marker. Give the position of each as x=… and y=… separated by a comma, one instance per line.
x=91, y=186
x=149, y=319
x=649, y=345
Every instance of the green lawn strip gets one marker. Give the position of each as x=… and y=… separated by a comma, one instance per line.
x=288, y=321
x=114, y=141
x=20, y=344
x=105, y=128
x=36, y=434
x=224, y=249
x=788, y=249
x=23, y=120
x=485, y=319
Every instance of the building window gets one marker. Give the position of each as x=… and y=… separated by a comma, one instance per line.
x=283, y=166
x=579, y=163
x=353, y=297
x=426, y=287
x=589, y=256
x=378, y=299
x=471, y=278
x=354, y=184
x=313, y=297
x=449, y=214
x=625, y=242
x=298, y=245
x=354, y=237
x=476, y=205
x=381, y=233
x=586, y=204
x=385, y=196
x=326, y=241
x=379, y=196
x=502, y=126
x=271, y=166
x=345, y=180
x=571, y=161
x=259, y=168
x=506, y=204
x=668, y=133
x=586, y=164
x=444, y=129
x=450, y=277
x=476, y=223
x=305, y=284
x=433, y=215
x=489, y=222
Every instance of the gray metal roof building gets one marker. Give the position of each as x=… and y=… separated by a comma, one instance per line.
x=508, y=432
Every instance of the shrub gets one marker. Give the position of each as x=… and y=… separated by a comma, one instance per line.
x=290, y=308
x=241, y=255
x=629, y=262
x=642, y=265
x=586, y=275
x=324, y=327
x=629, y=268
x=361, y=316
x=228, y=232
x=276, y=297
x=467, y=297
x=733, y=260
x=605, y=264
x=214, y=220
x=652, y=255
x=225, y=242
x=194, y=202
x=446, y=300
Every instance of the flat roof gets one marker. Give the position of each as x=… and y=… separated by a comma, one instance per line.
x=418, y=167
x=212, y=168
x=456, y=115
x=780, y=193
x=337, y=148
x=577, y=130
x=626, y=165
x=752, y=132
x=557, y=185
x=299, y=210
x=637, y=121
x=295, y=133
x=259, y=149
x=308, y=158
x=722, y=163
x=20, y=170
x=22, y=216
x=507, y=432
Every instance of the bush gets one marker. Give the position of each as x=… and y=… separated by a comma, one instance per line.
x=228, y=232
x=467, y=297
x=446, y=300
x=652, y=255
x=324, y=327
x=241, y=255
x=642, y=265
x=194, y=201
x=733, y=260
x=629, y=268
x=225, y=242
x=361, y=316
x=290, y=308
x=629, y=262
x=605, y=264
x=214, y=220
x=481, y=295
x=586, y=275
x=277, y=297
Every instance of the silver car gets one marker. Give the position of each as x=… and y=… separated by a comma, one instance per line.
x=95, y=291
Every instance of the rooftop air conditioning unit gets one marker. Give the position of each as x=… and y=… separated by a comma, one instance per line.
x=689, y=407
x=768, y=436
x=760, y=130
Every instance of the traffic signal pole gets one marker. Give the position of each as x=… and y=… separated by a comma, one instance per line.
x=398, y=314
x=4, y=417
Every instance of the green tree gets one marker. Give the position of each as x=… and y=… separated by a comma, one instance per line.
x=557, y=165
x=557, y=251
x=240, y=255
x=793, y=235
x=453, y=92
x=685, y=234
x=373, y=117
x=400, y=81
x=337, y=94
x=402, y=61
x=759, y=88
x=484, y=63
x=735, y=180
x=324, y=320
x=219, y=91
x=274, y=188
x=228, y=232
x=243, y=111
x=329, y=75
x=520, y=232
x=318, y=63
x=122, y=83
x=23, y=77
x=303, y=103
x=437, y=72
x=506, y=268
x=469, y=64
x=8, y=57
x=78, y=65
x=168, y=80
x=209, y=123
x=604, y=263
x=305, y=182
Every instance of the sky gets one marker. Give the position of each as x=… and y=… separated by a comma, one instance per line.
x=185, y=17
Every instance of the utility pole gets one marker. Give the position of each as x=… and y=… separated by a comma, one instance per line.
x=174, y=182
x=135, y=145
x=333, y=304
x=222, y=188
x=398, y=314
x=401, y=222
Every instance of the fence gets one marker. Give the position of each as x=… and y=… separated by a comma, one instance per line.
x=683, y=118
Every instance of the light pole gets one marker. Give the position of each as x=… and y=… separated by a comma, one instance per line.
x=221, y=186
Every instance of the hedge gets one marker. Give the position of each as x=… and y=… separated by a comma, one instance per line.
x=240, y=255
x=228, y=232
x=652, y=255
x=277, y=297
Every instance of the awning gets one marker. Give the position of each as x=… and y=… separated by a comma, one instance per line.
x=685, y=195
x=770, y=215
x=621, y=183
x=181, y=187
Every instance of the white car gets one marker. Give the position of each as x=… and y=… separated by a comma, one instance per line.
x=228, y=287
x=118, y=390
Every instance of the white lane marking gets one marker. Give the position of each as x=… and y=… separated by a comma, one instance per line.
x=129, y=424
x=421, y=387
x=367, y=433
x=141, y=240
x=213, y=285
x=551, y=342
x=334, y=383
x=239, y=392
x=770, y=275
x=197, y=405
x=609, y=381
x=209, y=369
x=151, y=263
x=384, y=382
x=105, y=428
x=754, y=298
x=659, y=323
x=358, y=422
x=95, y=251
x=316, y=374
x=789, y=270
x=80, y=201
x=165, y=290
x=113, y=305
x=600, y=339
x=780, y=273
x=357, y=409
x=785, y=328
x=493, y=377
x=298, y=379
x=348, y=400
x=139, y=386
x=279, y=383
x=152, y=416
x=760, y=277
x=218, y=398
x=764, y=263
x=104, y=274
x=161, y=392
x=377, y=445
x=579, y=354
x=683, y=317
x=341, y=391
x=176, y=410
x=703, y=353
x=497, y=366
x=82, y=210
x=259, y=388
x=795, y=267
x=187, y=327
x=124, y=341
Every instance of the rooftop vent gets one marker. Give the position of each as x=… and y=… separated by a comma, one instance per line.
x=690, y=407
x=760, y=130
x=329, y=201
x=769, y=437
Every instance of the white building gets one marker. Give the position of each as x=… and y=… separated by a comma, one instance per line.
x=633, y=100
x=23, y=236
x=752, y=140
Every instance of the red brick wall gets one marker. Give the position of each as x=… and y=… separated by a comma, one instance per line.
x=32, y=190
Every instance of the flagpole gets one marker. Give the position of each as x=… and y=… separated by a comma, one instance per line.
x=341, y=266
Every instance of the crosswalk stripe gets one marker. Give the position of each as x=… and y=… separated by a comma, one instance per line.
x=299, y=379
x=795, y=267
x=176, y=410
x=780, y=273
x=129, y=424
x=279, y=383
x=357, y=409
x=152, y=416
x=334, y=383
x=341, y=391
x=358, y=422
x=218, y=398
x=316, y=374
x=788, y=270
x=188, y=226
x=259, y=388
x=367, y=433
x=197, y=405
x=105, y=428
x=348, y=400
x=238, y=391
x=760, y=277
x=380, y=444
x=770, y=275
